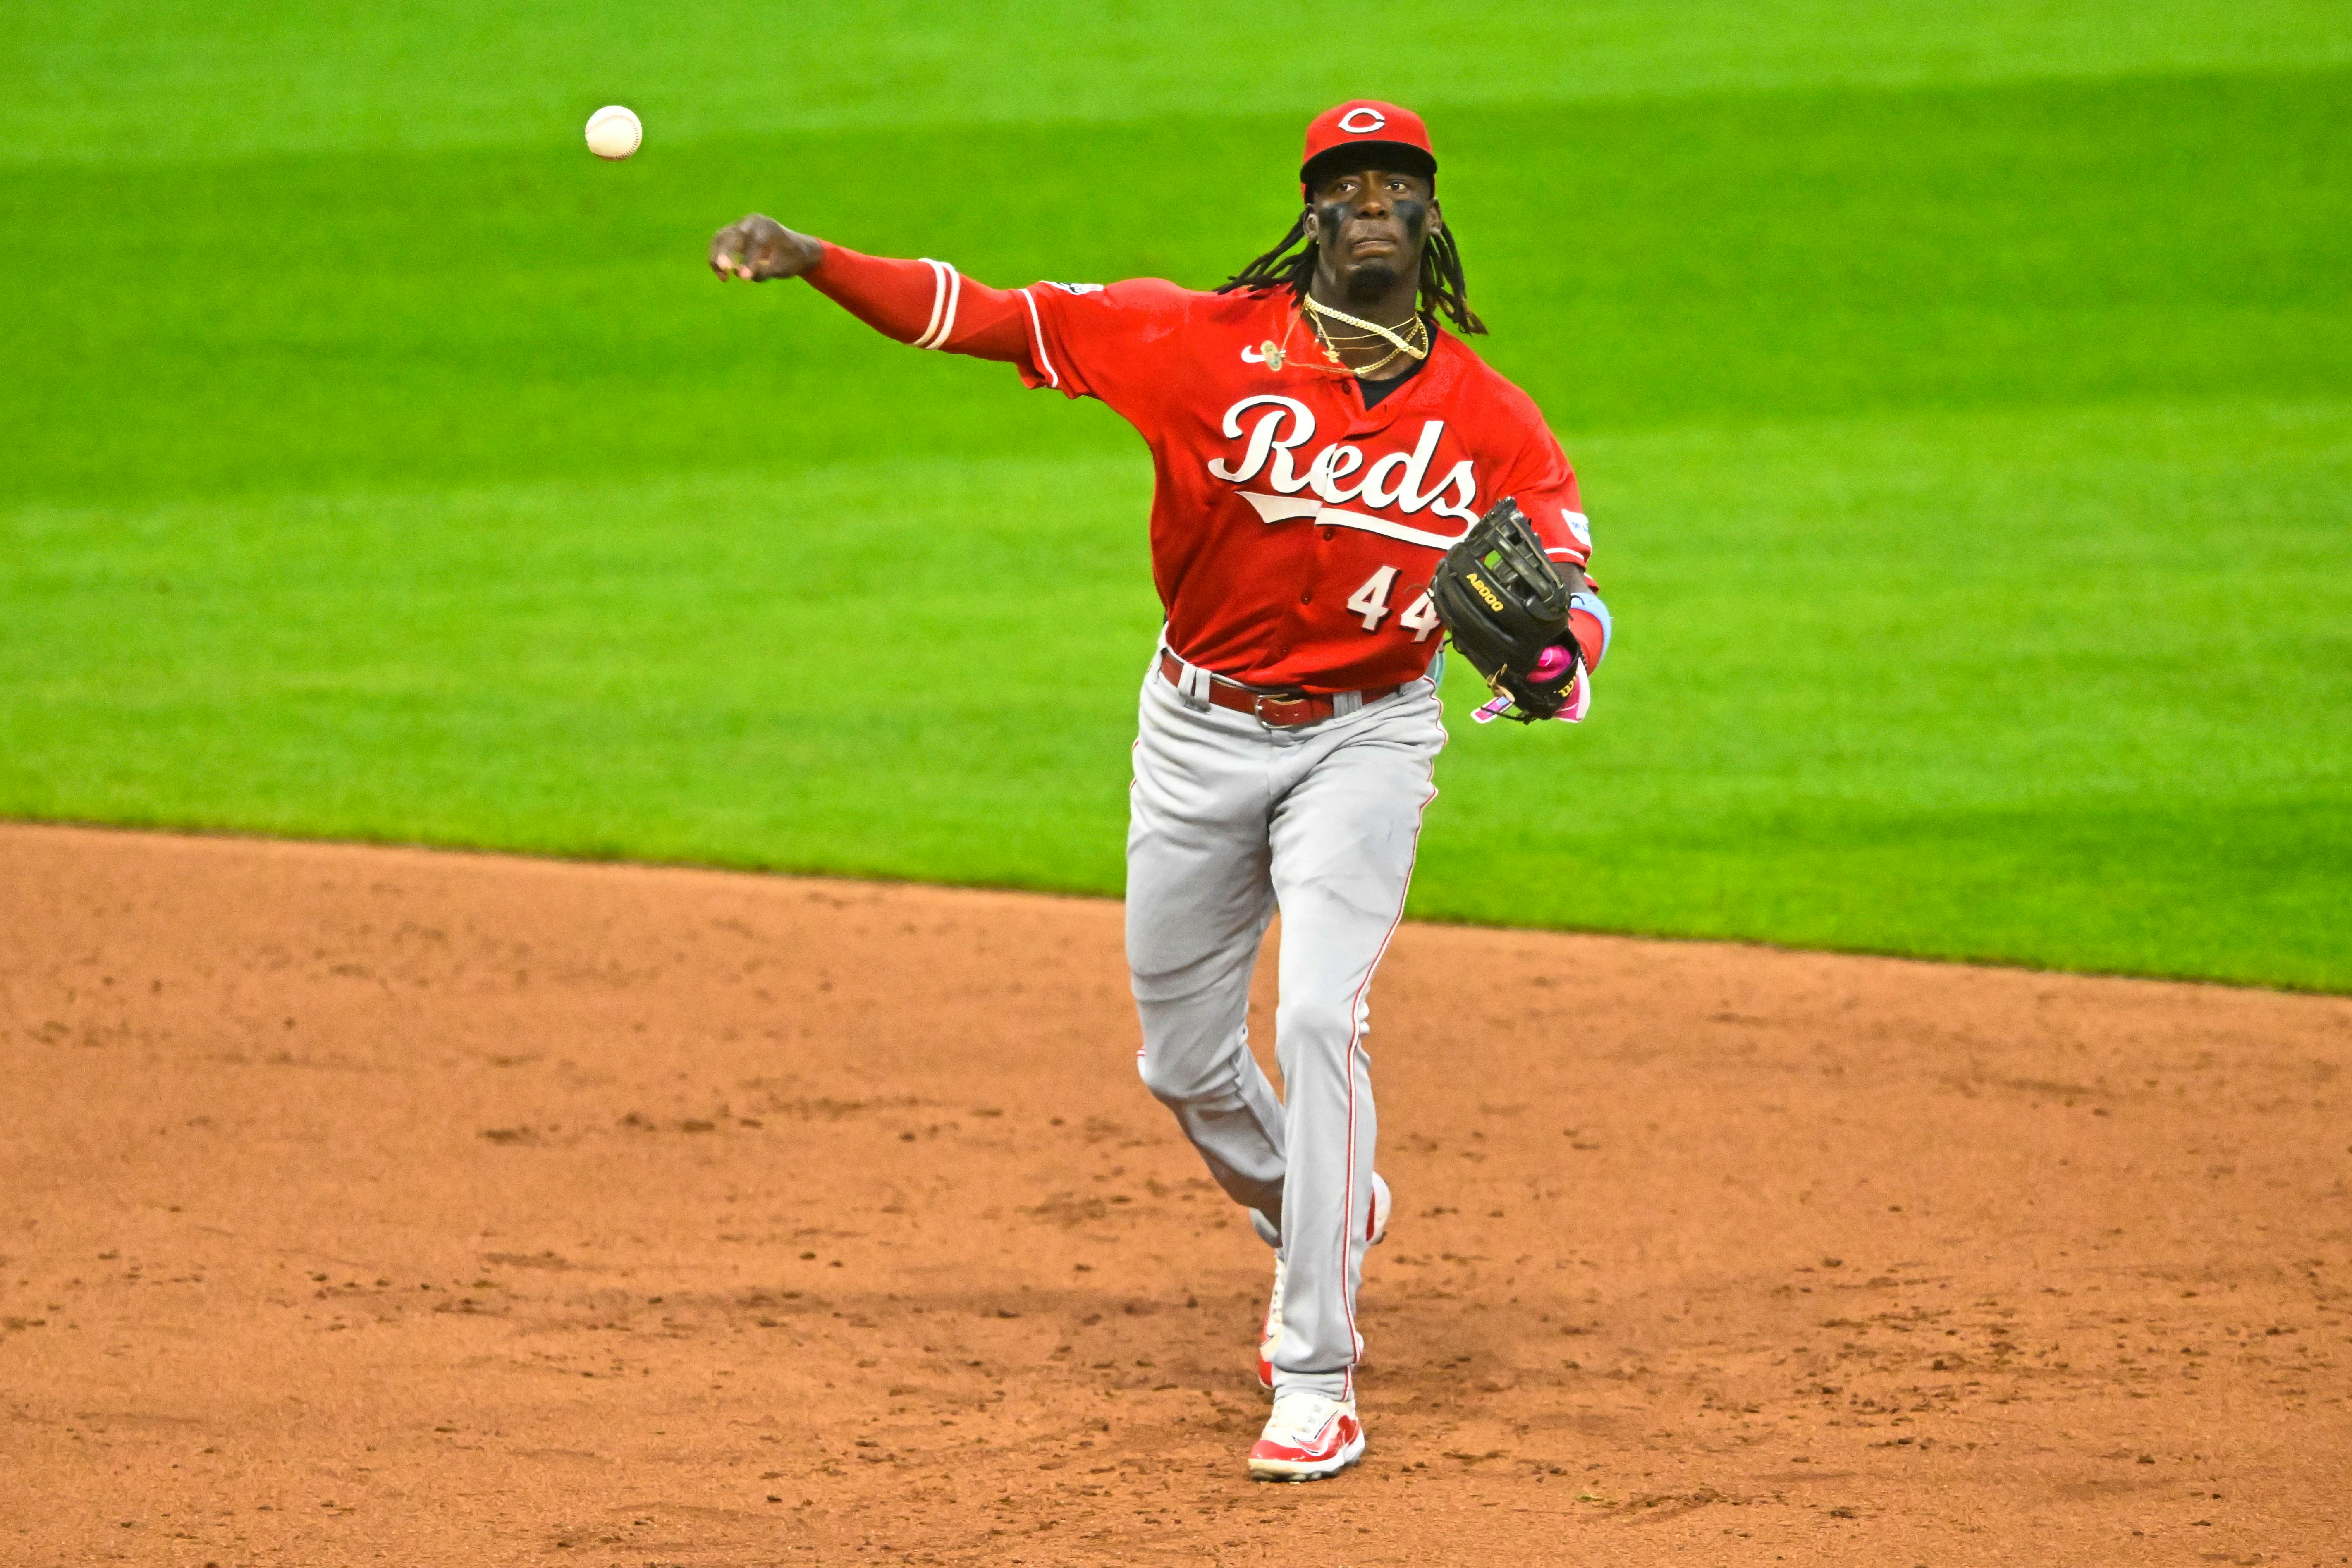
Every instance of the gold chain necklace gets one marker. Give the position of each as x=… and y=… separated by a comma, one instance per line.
x=1318, y=313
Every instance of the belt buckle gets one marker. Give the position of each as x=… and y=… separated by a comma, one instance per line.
x=1300, y=711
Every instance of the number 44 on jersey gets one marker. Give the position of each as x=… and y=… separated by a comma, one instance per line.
x=1371, y=601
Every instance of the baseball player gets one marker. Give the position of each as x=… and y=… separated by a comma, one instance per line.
x=1318, y=441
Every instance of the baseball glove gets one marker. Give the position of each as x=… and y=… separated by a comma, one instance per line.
x=1507, y=608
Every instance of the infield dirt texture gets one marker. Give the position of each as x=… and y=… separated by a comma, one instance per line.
x=370, y=1205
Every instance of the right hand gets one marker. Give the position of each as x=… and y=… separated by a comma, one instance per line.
x=758, y=247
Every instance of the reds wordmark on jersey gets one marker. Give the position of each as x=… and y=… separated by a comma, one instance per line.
x=1294, y=531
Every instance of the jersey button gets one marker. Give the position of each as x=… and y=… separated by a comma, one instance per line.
x=1308, y=597
x=1331, y=533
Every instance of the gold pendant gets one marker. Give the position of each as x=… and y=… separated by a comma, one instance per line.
x=1274, y=355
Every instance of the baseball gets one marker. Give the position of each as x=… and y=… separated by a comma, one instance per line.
x=613, y=133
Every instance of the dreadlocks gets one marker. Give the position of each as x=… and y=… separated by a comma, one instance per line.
x=1291, y=265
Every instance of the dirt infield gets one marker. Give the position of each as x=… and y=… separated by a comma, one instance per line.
x=366, y=1206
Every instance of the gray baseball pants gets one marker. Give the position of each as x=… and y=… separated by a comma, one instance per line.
x=1231, y=820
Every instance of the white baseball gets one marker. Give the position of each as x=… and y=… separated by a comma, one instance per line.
x=613, y=133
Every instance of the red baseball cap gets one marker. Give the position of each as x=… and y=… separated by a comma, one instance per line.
x=1362, y=125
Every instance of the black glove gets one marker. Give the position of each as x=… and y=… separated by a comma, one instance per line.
x=1506, y=606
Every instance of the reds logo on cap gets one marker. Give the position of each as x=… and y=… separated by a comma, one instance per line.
x=1367, y=124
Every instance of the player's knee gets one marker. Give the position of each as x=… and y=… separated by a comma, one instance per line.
x=1172, y=1079
x=1319, y=1022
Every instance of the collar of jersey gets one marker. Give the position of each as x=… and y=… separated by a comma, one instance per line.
x=1445, y=350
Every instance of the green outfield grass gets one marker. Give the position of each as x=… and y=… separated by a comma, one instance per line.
x=1965, y=409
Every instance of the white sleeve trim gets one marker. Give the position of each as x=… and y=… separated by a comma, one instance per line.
x=941, y=273
x=947, y=322
x=1038, y=336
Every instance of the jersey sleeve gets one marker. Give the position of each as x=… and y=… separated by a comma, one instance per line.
x=1544, y=484
x=928, y=305
x=1111, y=341
x=1083, y=339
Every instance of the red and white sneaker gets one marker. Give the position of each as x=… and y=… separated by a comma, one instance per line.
x=1271, y=1332
x=1309, y=1436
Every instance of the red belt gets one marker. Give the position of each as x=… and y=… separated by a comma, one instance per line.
x=1273, y=709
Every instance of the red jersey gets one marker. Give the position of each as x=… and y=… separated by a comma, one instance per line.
x=1294, y=531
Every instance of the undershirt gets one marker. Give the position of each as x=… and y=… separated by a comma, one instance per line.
x=1376, y=390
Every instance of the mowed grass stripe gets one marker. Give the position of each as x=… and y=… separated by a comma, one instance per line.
x=174, y=81
x=2075, y=708
x=472, y=318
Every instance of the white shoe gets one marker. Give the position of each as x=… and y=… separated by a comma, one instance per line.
x=1309, y=1436
x=1270, y=1334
